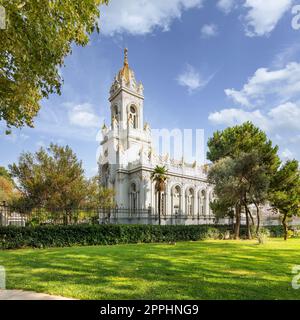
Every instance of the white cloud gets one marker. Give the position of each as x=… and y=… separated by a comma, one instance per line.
x=234, y=116
x=15, y=136
x=263, y=15
x=140, y=17
x=209, y=30
x=191, y=79
x=83, y=115
x=283, y=118
x=283, y=84
x=226, y=5
x=289, y=53
x=287, y=154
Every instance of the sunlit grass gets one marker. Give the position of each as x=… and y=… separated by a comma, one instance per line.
x=189, y=270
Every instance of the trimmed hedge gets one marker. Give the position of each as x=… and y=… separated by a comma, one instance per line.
x=83, y=235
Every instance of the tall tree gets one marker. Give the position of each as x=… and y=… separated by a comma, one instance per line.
x=99, y=196
x=159, y=176
x=229, y=189
x=7, y=186
x=37, y=38
x=52, y=178
x=285, y=192
x=253, y=160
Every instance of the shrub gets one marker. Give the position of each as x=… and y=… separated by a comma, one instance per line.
x=263, y=235
x=82, y=235
x=212, y=233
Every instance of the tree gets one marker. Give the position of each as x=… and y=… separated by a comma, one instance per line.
x=5, y=173
x=159, y=176
x=7, y=186
x=229, y=190
x=7, y=192
x=52, y=178
x=285, y=192
x=252, y=161
x=37, y=38
x=99, y=196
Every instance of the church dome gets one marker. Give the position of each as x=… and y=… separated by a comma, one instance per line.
x=126, y=78
x=126, y=74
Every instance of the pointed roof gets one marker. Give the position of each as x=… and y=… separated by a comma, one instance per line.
x=126, y=73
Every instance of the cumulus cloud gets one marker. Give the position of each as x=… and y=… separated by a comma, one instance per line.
x=283, y=118
x=192, y=79
x=209, y=30
x=283, y=84
x=263, y=16
x=83, y=115
x=287, y=154
x=234, y=116
x=139, y=17
x=226, y=5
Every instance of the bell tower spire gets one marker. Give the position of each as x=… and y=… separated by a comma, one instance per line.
x=125, y=57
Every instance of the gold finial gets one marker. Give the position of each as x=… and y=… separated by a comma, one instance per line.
x=125, y=56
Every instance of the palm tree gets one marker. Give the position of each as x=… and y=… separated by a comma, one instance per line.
x=159, y=176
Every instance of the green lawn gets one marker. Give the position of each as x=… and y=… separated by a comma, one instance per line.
x=189, y=270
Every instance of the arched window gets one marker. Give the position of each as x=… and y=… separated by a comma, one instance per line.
x=201, y=202
x=133, y=117
x=115, y=113
x=190, y=202
x=133, y=197
x=176, y=200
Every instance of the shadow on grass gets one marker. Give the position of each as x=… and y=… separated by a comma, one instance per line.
x=198, y=270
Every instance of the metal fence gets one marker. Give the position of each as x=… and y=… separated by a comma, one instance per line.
x=147, y=216
x=10, y=216
x=37, y=216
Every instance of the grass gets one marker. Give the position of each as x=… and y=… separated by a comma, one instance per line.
x=189, y=270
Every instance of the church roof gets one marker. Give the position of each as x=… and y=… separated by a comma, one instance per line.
x=126, y=78
x=126, y=73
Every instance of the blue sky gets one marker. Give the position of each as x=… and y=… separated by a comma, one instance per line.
x=203, y=63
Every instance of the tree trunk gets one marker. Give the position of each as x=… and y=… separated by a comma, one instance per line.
x=249, y=236
x=285, y=227
x=159, y=199
x=237, y=222
x=251, y=217
x=258, y=218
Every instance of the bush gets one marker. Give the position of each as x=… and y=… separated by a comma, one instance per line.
x=82, y=235
x=263, y=235
x=212, y=233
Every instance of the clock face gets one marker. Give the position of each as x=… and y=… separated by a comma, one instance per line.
x=132, y=109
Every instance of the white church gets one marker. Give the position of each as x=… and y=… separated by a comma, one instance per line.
x=128, y=158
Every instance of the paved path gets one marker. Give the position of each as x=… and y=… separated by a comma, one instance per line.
x=27, y=295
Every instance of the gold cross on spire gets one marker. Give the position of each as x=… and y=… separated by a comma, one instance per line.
x=125, y=56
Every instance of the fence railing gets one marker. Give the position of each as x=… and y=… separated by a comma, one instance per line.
x=37, y=216
x=148, y=216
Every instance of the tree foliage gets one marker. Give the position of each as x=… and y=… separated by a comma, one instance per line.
x=38, y=36
x=159, y=176
x=244, y=161
x=285, y=192
x=7, y=187
x=51, y=177
x=99, y=196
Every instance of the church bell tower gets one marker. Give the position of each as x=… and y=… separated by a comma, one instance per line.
x=127, y=135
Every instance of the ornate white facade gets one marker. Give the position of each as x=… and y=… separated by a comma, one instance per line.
x=127, y=159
